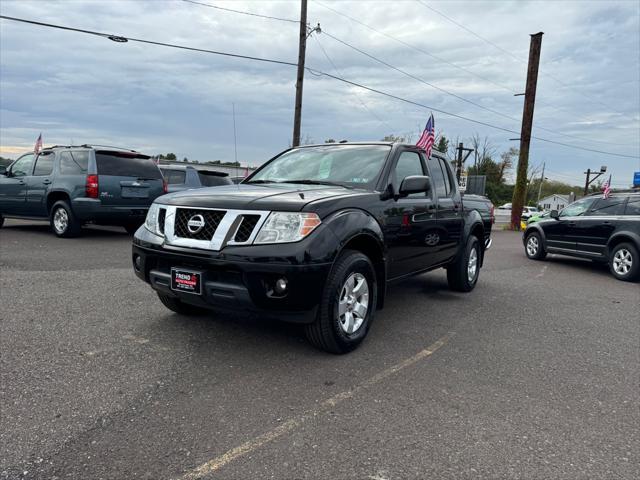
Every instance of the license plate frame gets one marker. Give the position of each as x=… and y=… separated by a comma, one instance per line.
x=184, y=280
x=134, y=192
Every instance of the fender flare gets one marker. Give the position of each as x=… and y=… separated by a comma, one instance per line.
x=633, y=237
x=538, y=229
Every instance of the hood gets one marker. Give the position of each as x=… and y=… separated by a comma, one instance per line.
x=282, y=197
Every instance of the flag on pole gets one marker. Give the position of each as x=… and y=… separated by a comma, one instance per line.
x=606, y=188
x=428, y=137
x=38, y=146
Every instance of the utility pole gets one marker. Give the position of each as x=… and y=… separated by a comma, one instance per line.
x=520, y=190
x=460, y=161
x=590, y=180
x=541, y=182
x=302, y=47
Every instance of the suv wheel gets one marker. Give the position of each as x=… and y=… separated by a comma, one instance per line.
x=174, y=304
x=347, y=306
x=63, y=221
x=624, y=262
x=462, y=274
x=533, y=247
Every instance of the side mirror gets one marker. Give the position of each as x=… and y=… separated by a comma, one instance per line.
x=415, y=184
x=554, y=214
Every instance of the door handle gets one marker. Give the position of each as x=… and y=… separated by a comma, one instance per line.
x=606, y=222
x=46, y=182
x=572, y=224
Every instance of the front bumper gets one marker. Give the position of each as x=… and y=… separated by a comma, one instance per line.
x=234, y=282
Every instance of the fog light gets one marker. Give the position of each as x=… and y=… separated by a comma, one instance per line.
x=280, y=286
x=137, y=262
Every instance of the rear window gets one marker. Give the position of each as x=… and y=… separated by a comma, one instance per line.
x=209, y=179
x=608, y=206
x=173, y=177
x=74, y=163
x=633, y=207
x=127, y=165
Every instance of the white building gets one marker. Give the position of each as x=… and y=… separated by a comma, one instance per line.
x=554, y=202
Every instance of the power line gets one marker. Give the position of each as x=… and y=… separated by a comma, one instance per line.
x=120, y=38
x=552, y=131
x=242, y=12
x=413, y=47
x=553, y=77
x=382, y=121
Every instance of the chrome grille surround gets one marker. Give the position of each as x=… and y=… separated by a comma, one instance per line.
x=225, y=232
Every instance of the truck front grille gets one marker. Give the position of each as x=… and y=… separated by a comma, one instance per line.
x=211, y=220
x=245, y=229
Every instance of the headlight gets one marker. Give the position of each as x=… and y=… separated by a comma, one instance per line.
x=284, y=227
x=152, y=223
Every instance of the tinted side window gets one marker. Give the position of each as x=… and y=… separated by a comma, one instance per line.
x=23, y=166
x=437, y=177
x=608, y=206
x=448, y=180
x=127, y=165
x=74, y=163
x=44, y=164
x=633, y=207
x=409, y=163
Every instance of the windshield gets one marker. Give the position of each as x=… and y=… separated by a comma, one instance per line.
x=347, y=165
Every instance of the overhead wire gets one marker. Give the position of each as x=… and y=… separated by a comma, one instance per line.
x=121, y=38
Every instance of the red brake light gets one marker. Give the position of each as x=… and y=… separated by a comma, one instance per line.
x=165, y=186
x=91, y=188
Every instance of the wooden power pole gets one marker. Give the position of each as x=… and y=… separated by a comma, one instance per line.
x=302, y=47
x=520, y=191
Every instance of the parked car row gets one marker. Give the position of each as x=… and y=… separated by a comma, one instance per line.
x=72, y=186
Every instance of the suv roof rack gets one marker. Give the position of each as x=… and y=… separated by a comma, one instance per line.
x=109, y=146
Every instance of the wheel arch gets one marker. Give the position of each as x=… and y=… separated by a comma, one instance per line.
x=622, y=237
x=56, y=196
x=358, y=230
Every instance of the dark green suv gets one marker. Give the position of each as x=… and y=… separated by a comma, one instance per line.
x=75, y=185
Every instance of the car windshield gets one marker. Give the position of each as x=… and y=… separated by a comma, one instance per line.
x=346, y=165
x=577, y=208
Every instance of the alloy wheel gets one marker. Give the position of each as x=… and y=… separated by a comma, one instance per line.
x=622, y=261
x=472, y=265
x=353, y=303
x=60, y=220
x=533, y=245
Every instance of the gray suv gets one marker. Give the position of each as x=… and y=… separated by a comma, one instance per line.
x=74, y=185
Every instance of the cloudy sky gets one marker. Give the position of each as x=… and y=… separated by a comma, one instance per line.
x=87, y=89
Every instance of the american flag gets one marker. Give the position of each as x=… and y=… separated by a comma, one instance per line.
x=428, y=137
x=606, y=188
x=38, y=146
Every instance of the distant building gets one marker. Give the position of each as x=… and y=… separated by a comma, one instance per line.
x=554, y=202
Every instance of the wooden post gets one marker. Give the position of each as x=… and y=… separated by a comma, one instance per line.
x=302, y=46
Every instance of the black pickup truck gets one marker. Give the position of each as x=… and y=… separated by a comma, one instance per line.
x=313, y=236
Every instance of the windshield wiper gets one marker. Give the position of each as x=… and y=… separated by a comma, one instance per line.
x=260, y=181
x=315, y=182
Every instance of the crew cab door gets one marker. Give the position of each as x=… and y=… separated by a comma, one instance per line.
x=410, y=222
x=38, y=184
x=13, y=187
x=449, y=208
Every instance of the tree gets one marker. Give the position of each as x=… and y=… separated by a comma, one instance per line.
x=185, y=159
x=329, y=140
x=171, y=156
x=442, y=144
x=394, y=138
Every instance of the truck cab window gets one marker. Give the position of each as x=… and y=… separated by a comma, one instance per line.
x=23, y=166
x=44, y=164
x=409, y=163
x=437, y=177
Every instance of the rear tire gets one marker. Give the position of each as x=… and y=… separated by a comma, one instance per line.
x=174, y=304
x=63, y=222
x=463, y=273
x=533, y=247
x=347, y=306
x=624, y=262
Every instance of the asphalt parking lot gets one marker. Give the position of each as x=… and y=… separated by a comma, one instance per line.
x=533, y=375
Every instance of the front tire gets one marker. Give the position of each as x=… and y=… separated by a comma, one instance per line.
x=174, y=304
x=347, y=306
x=462, y=274
x=63, y=222
x=624, y=262
x=534, y=248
